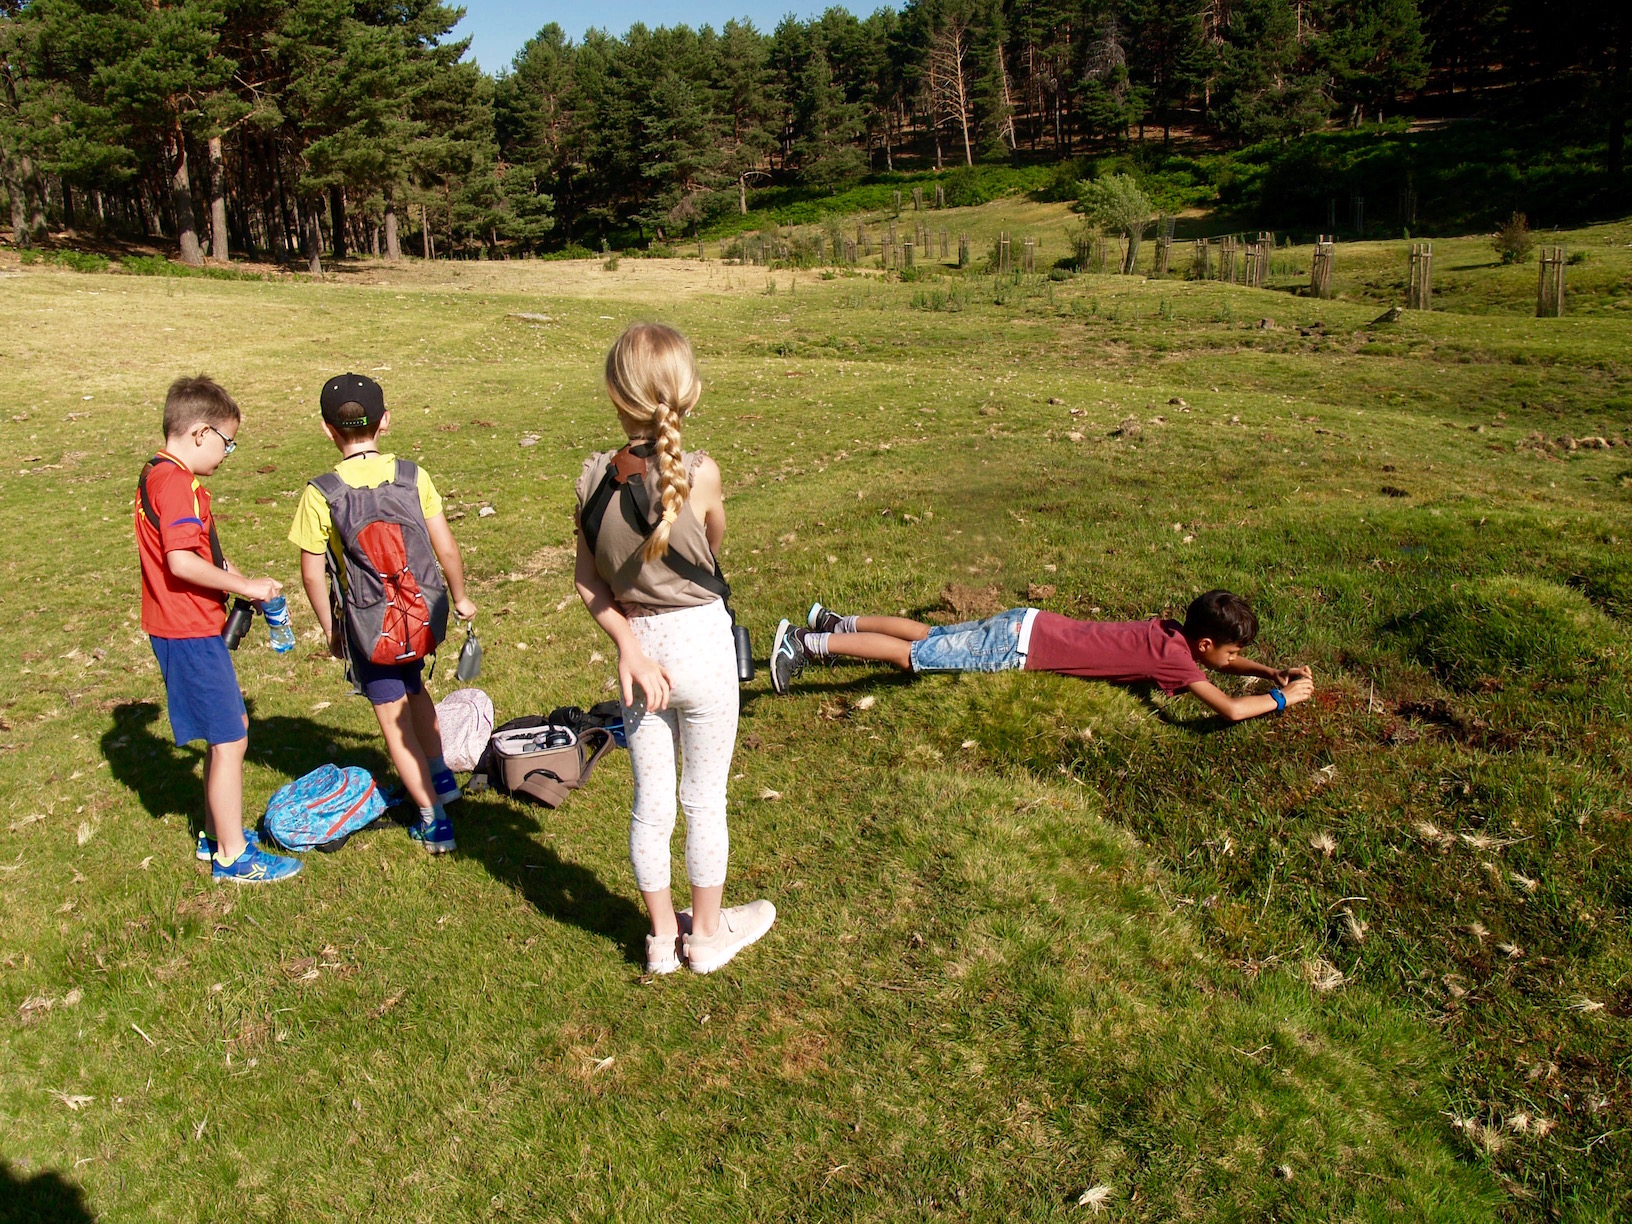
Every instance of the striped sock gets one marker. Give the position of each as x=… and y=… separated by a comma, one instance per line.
x=847, y=624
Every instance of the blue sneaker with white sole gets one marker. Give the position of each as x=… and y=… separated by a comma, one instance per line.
x=256, y=866
x=435, y=834
x=446, y=787
x=207, y=846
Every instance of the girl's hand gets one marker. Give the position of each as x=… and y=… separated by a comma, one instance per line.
x=635, y=668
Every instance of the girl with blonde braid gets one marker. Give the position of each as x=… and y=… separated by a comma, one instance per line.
x=677, y=667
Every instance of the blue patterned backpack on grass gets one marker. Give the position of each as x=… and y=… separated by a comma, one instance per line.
x=324, y=808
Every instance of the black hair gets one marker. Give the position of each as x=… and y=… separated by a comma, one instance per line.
x=1225, y=617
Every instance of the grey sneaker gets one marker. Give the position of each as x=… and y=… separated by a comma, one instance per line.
x=822, y=620
x=740, y=925
x=662, y=954
x=788, y=657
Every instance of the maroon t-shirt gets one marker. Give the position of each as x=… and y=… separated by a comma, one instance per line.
x=1124, y=652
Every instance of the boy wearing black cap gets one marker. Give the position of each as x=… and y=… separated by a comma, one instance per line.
x=354, y=417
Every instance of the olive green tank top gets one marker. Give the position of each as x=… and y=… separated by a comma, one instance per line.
x=646, y=588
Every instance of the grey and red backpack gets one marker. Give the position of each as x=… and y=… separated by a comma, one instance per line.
x=393, y=601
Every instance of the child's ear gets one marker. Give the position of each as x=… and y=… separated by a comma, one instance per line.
x=328, y=430
x=385, y=422
x=1203, y=645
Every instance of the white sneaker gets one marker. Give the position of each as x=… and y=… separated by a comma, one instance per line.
x=662, y=954
x=740, y=925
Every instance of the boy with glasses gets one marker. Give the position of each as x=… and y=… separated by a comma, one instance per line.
x=185, y=584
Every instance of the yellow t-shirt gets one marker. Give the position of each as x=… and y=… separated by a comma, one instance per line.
x=313, y=528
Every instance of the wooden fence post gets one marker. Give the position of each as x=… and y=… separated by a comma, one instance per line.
x=1029, y=256
x=940, y=196
x=944, y=248
x=1320, y=271
x=898, y=202
x=1003, y=252
x=917, y=199
x=1201, y=267
x=907, y=250
x=1357, y=208
x=1420, y=290
x=1550, y=289
x=963, y=250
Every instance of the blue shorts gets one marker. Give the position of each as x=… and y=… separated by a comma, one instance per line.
x=383, y=683
x=998, y=643
x=201, y=689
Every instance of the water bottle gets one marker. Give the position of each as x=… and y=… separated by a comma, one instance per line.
x=276, y=611
x=470, y=656
x=745, y=653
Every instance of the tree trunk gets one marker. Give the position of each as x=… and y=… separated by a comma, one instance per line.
x=314, y=237
x=1617, y=101
x=337, y=220
x=181, y=200
x=219, y=246
x=373, y=238
x=1133, y=252
x=34, y=191
x=20, y=236
x=742, y=194
x=393, y=250
x=67, y=206
x=424, y=232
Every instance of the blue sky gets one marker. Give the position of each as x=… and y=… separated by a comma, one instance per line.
x=498, y=29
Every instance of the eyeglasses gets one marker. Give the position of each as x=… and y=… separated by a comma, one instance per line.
x=227, y=442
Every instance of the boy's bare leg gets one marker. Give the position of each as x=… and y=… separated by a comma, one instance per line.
x=426, y=728
x=893, y=626
x=881, y=647
x=224, y=797
x=397, y=725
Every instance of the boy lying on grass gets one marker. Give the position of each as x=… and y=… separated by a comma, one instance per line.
x=1163, y=652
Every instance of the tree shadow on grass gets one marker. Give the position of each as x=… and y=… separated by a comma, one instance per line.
x=45, y=1198
x=505, y=834
x=165, y=778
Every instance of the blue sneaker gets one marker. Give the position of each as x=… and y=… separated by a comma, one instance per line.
x=435, y=834
x=446, y=787
x=256, y=866
x=207, y=846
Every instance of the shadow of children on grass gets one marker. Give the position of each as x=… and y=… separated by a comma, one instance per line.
x=507, y=835
x=45, y=1198
x=166, y=779
x=501, y=833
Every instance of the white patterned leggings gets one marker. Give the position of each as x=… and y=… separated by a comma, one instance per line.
x=694, y=646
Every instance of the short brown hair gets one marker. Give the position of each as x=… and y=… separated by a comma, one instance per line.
x=198, y=401
x=1223, y=616
x=356, y=433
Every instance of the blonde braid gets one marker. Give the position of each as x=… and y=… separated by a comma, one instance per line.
x=671, y=474
x=651, y=375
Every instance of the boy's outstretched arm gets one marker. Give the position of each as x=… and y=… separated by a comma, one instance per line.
x=1238, y=709
x=1243, y=666
x=190, y=567
x=453, y=565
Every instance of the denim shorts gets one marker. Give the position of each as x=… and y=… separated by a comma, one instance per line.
x=201, y=689
x=998, y=643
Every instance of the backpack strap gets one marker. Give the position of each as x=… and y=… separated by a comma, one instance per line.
x=333, y=489
x=407, y=475
x=626, y=471
x=151, y=514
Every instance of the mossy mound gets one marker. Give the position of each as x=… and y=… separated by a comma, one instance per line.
x=1506, y=625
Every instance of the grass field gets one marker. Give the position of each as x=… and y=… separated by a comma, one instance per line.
x=1046, y=948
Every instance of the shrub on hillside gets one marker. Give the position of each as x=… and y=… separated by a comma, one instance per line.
x=1514, y=242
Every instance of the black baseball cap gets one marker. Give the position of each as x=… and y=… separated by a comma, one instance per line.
x=352, y=401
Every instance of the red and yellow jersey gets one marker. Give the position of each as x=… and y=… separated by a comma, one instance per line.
x=172, y=608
